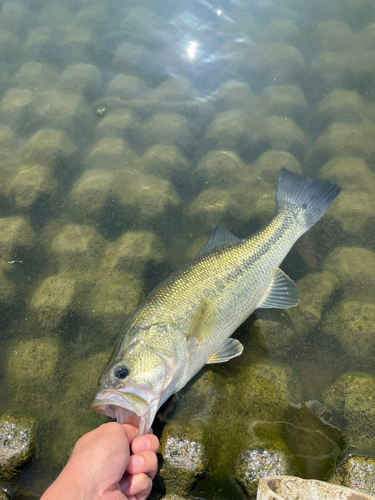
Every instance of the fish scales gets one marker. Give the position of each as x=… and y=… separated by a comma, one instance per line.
x=187, y=320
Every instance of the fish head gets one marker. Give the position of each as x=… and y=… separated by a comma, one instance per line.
x=135, y=384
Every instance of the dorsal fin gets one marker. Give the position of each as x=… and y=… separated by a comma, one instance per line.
x=220, y=236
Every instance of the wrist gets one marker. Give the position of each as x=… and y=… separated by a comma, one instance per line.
x=70, y=485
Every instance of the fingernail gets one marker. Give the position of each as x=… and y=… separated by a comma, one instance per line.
x=137, y=461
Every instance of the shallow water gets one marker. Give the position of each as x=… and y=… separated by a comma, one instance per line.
x=128, y=130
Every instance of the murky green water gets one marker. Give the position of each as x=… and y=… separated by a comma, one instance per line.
x=128, y=130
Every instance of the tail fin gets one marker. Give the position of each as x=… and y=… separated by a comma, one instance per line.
x=312, y=196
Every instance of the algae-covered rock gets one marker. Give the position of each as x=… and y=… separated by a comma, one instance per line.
x=356, y=472
x=351, y=174
x=335, y=36
x=228, y=206
x=229, y=131
x=116, y=296
x=343, y=139
x=315, y=290
x=330, y=70
x=233, y=95
x=78, y=248
x=197, y=402
x=17, y=106
x=72, y=409
x=168, y=128
x=286, y=101
x=280, y=133
x=354, y=212
x=145, y=198
x=78, y=79
x=274, y=62
x=17, y=445
x=259, y=393
x=126, y=87
x=91, y=193
x=8, y=158
x=269, y=163
x=253, y=465
x=184, y=455
x=352, y=323
x=32, y=184
x=278, y=339
x=7, y=287
x=33, y=363
x=50, y=148
x=121, y=124
x=267, y=389
x=59, y=297
x=59, y=111
x=111, y=153
x=16, y=237
x=339, y=106
x=222, y=169
x=134, y=59
x=281, y=31
x=168, y=163
x=351, y=400
x=355, y=268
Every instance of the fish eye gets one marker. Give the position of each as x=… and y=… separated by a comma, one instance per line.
x=121, y=372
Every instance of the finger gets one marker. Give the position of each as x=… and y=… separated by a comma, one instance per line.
x=145, y=443
x=145, y=462
x=131, y=430
x=139, y=485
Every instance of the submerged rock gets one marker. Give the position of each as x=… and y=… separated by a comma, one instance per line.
x=222, y=169
x=286, y=101
x=51, y=148
x=78, y=248
x=356, y=472
x=17, y=446
x=254, y=464
x=91, y=194
x=355, y=268
x=233, y=95
x=352, y=323
x=185, y=460
x=59, y=297
x=16, y=237
x=316, y=290
x=134, y=253
x=7, y=288
x=351, y=400
x=32, y=184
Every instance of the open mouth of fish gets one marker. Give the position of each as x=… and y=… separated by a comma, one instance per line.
x=125, y=408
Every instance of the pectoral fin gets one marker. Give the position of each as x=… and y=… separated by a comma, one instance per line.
x=230, y=349
x=282, y=292
x=204, y=322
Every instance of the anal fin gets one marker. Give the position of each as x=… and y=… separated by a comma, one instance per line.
x=282, y=292
x=228, y=350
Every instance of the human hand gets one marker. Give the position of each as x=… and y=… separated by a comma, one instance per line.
x=101, y=467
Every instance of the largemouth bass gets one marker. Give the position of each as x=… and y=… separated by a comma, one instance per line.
x=187, y=320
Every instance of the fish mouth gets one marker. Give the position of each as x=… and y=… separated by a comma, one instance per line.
x=125, y=408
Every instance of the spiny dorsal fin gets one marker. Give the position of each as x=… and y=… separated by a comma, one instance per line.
x=204, y=321
x=220, y=236
x=282, y=292
x=229, y=349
